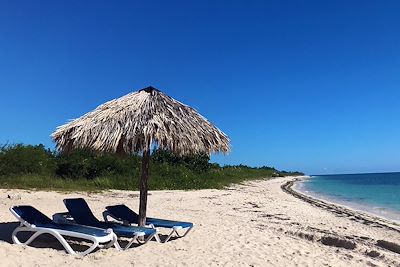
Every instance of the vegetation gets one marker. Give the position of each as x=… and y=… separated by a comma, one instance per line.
x=27, y=167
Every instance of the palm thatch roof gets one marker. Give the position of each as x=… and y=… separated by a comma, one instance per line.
x=139, y=120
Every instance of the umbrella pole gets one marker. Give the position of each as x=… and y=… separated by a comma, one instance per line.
x=144, y=187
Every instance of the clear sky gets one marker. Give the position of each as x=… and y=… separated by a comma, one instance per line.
x=300, y=85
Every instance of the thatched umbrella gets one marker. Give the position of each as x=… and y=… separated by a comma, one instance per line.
x=137, y=122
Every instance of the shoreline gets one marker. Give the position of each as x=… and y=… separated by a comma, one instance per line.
x=339, y=209
x=391, y=217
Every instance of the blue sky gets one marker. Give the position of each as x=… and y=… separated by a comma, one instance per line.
x=300, y=85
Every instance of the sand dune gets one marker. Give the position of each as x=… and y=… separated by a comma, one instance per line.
x=255, y=224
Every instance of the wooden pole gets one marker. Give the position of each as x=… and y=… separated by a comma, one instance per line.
x=144, y=187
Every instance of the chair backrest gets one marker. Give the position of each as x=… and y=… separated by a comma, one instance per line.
x=124, y=213
x=80, y=211
x=31, y=215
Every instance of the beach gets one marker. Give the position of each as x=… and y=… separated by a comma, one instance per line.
x=259, y=223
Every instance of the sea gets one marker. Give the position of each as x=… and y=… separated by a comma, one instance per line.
x=374, y=193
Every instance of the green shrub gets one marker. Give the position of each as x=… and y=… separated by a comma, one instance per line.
x=198, y=162
x=85, y=164
x=21, y=159
x=26, y=166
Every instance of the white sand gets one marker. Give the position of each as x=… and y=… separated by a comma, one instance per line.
x=256, y=224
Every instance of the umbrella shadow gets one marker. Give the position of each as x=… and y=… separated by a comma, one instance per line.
x=42, y=241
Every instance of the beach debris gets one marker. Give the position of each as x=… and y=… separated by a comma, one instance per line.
x=347, y=255
x=389, y=246
x=303, y=235
x=371, y=264
x=14, y=197
x=277, y=216
x=372, y=253
x=254, y=205
x=210, y=197
x=309, y=237
x=337, y=242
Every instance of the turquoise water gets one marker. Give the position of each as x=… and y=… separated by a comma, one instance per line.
x=377, y=193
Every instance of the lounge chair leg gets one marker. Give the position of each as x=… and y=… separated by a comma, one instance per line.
x=130, y=242
x=177, y=233
x=90, y=249
x=71, y=251
x=38, y=233
x=157, y=238
x=115, y=242
x=64, y=243
x=169, y=236
x=23, y=229
x=184, y=233
x=155, y=235
x=109, y=244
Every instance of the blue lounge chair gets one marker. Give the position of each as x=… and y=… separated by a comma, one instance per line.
x=81, y=214
x=34, y=221
x=124, y=214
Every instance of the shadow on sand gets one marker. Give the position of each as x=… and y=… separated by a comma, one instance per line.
x=6, y=230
